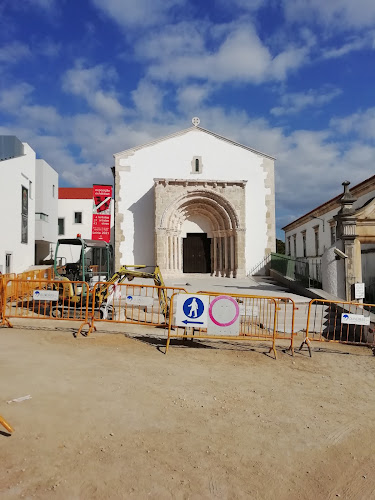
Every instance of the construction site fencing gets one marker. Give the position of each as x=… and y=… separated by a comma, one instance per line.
x=286, y=308
x=342, y=322
x=134, y=304
x=257, y=321
x=47, y=299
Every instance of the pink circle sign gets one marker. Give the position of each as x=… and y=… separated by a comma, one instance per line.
x=224, y=297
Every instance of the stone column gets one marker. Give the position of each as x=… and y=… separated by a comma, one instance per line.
x=347, y=232
x=232, y=271
x=215, y=257
x=221, y=256
x=226, y=256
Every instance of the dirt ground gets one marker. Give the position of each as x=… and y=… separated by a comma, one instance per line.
x=113, y=417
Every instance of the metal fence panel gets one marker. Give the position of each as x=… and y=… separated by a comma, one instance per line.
x=327, y=321
x=258, y=319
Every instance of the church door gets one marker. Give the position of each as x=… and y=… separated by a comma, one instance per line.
x=196, y=253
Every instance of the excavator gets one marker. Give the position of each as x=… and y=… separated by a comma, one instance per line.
x=92, y=263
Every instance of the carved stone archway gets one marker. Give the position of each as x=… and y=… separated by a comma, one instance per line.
x=221, y=203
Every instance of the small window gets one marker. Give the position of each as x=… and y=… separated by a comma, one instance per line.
x=304, y=243
x=196, y=165
x=53, y=190
x=8, y=263
x=30, y=190
x=289, y=250
x=295, y=244
x=333, y=234
x=77, y=217
x=61, y=227
x=316, y=229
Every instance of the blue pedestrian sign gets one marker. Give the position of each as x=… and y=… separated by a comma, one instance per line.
x=191, y=310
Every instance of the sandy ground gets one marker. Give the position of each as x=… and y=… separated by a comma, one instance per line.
x=113, y=417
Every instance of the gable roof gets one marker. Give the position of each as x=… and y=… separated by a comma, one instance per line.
x=357, y=190
x=190, y=129
x=75, y=193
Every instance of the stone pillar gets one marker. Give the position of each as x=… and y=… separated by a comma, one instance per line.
x=226, y=256
x=240, y=254
x=220, y=266
x=232, y=272
x=347, y=232
x=214, y=269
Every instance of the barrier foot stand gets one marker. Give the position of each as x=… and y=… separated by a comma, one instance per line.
x=81, y=327
x=5, y=424
x=6, y=322
x=167, y=345
x=273, y=348
x=291, y=347
x=307, y=342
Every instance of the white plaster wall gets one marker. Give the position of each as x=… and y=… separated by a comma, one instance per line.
x=13, y=174
x=172, y=158
x=66, y=210
x=324, y=236
x=46, y=193
x=196, y=224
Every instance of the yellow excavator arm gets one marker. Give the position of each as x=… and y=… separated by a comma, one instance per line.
x=129, y=273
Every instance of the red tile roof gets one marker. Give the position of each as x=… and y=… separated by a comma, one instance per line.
x=75, y=193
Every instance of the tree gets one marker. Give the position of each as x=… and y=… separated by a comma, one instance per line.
x=280, y=246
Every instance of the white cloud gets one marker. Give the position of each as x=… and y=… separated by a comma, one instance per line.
x=297, y=101
x=94, y=84
x=148, y=99
x=354, y=44
x=14, y=52
x=142, y=13
x=191, y=97
x=12, y=98
x=361, y=123
x=241, y=57
x=339, y=14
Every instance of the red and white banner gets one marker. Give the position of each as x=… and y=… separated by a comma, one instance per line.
x=101, y=213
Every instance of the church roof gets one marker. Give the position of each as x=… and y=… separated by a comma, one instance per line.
x=358, y=190
x=190, y=129
x=75, y=193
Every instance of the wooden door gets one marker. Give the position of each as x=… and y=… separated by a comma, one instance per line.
x=196, y=253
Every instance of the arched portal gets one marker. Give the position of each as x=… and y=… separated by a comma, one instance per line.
x=198, y=229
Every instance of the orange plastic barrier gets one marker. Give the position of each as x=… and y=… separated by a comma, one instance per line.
x=258, y=320
x=5, y=424
x=47, y=299
x=135, y=304
x=329, y=321
x=286, y=308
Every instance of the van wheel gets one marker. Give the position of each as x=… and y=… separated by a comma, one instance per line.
x=57, y=313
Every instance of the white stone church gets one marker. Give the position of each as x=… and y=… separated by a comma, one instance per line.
x=194, y=202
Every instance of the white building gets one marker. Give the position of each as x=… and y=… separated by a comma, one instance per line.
x=75, y=211
x=194, y=202
x=46, y=200
x=314, y=233
x=26, y=191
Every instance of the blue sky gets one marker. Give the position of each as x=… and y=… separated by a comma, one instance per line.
x=84, y=79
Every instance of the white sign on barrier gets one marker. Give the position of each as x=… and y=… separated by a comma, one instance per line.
x=249, y=310
x=359, y=290
x=191, y=310
x=51, y=295
x=224, y=316
x=139, y=300
x=355, y=319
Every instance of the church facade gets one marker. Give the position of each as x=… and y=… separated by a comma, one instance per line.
x=194, y=202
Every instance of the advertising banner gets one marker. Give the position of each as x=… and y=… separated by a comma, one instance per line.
x=101, y=213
